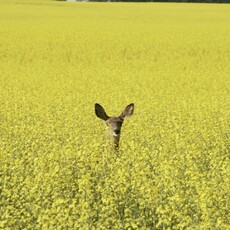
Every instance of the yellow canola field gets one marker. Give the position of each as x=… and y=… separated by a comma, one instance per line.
x=173, y=168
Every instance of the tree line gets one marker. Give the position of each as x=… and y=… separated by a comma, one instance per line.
x=194, y=1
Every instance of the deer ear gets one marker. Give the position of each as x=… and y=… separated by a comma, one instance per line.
x=100, y=112
x=128, y=111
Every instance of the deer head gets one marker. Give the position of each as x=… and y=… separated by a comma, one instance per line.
x=114, y=123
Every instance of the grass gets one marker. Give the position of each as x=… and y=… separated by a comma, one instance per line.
x=171, y=60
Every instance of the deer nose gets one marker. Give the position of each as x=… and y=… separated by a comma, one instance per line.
x=117, y=131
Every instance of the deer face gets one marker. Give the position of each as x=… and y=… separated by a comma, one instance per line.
x=114, y=123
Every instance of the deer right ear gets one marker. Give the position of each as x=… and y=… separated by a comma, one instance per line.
x=128, y=112
x=100, y=112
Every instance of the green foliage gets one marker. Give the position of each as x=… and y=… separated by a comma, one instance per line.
x=57, y=170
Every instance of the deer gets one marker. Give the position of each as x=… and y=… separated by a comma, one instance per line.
x=114, y=123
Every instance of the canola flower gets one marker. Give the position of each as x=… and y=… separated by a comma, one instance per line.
x=172, y=169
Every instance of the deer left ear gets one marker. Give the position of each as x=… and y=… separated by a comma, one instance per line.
x=128, y=111
x=100, y=112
